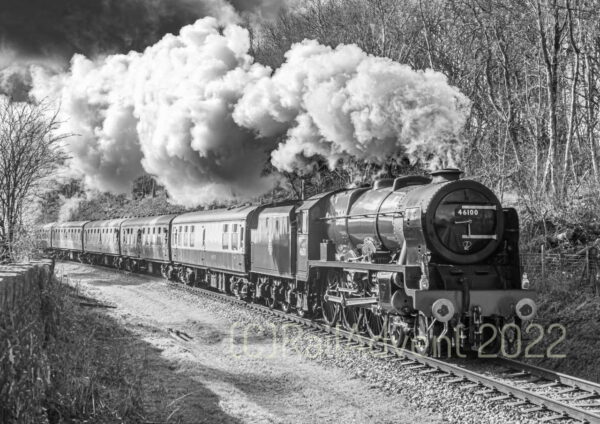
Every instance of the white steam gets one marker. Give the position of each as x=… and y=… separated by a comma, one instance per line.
x=195, y=111
x=68, y=208
x=166, y=111
x=344, y=103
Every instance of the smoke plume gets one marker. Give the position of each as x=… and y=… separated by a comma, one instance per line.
x=342, y=103
x=198, y=113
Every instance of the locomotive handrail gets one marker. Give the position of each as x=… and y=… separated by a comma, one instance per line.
x=362, y=215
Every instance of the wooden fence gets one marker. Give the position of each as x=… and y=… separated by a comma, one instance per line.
x=545, y=270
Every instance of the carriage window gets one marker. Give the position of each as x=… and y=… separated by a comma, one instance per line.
x=234, y=238
x=192, y=236
x=225, y=241
x=277, y=225
x=203, y=236
x=242, y=237
x=159, y=230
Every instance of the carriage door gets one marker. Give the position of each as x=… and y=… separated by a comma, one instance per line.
x=302, y=247
x=138, y=243
x=164, y=242
x=203, y=246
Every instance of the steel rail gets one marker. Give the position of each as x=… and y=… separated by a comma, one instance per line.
x=567, y=380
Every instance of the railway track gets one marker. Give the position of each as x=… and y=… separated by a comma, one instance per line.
x=553, y=396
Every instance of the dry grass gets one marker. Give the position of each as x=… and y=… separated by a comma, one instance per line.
x=67, y=364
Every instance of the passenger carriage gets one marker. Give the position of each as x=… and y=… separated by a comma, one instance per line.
x=213, y=245
x=43, y=236
x=67, y=239
x=101, y=242
x=145, y=243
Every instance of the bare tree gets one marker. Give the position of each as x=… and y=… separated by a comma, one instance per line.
x=29, y=153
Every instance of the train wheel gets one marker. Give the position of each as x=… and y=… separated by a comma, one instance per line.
x=271, y=302
x=313, y=307
x=331, y=312
x=376, y=324
x=397, y=334
x=352, y=318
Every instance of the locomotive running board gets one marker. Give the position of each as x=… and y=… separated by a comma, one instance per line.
x=363, y=266
x=356, y=301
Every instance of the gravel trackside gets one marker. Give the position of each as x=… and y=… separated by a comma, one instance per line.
x=243, y=375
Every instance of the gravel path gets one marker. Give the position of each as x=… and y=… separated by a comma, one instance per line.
x=236, y=359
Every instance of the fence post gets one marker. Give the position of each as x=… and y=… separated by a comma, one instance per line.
x=543, y=259
x=586, y=271
x=593, y=268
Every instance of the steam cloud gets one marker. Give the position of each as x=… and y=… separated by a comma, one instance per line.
x=197, y=112
x=344, y=103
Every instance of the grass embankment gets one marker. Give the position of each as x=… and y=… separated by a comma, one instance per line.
x=574, y=310
x=71, y=364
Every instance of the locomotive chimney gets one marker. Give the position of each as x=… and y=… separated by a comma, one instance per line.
x=383, y=183
x=444, y=175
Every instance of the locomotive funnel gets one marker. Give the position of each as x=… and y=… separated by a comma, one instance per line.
x=446, y=174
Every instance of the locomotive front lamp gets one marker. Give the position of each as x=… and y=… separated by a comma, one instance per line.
x=424, y=282
x=525, y=282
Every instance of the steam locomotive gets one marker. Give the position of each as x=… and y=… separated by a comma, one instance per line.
x=412, y=259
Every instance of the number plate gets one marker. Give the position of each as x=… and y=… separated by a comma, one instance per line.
x=472, y=211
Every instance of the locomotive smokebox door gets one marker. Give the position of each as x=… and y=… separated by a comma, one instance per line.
x=327, y=251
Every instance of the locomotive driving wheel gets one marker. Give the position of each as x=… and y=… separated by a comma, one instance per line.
x=352, y=318
x=397, y=332
x=376, y=324
x=331, y=310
